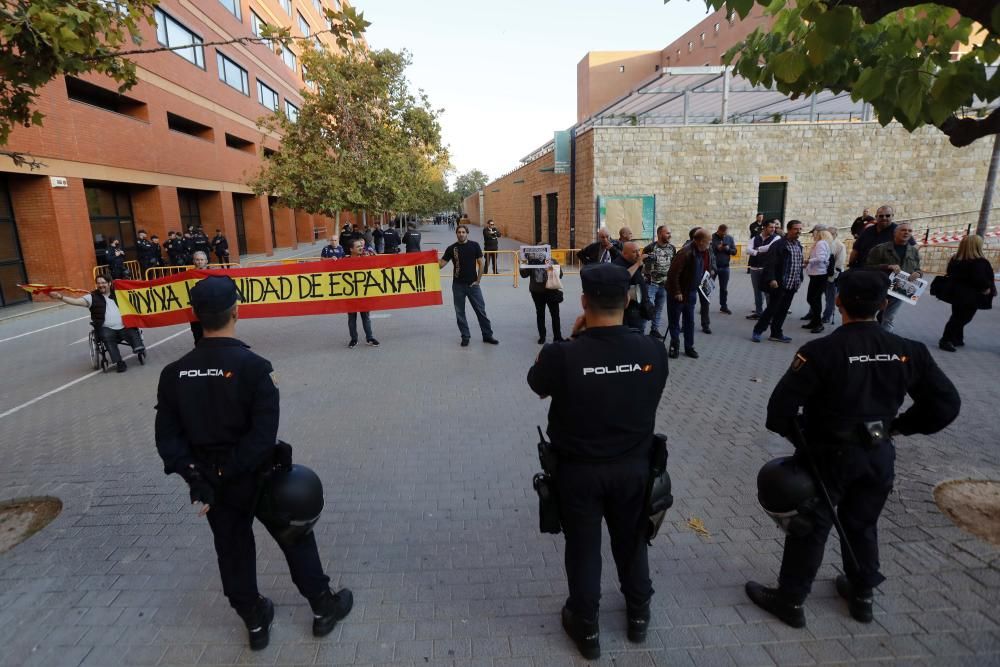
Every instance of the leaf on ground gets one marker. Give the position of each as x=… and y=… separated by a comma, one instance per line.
x=698, y=526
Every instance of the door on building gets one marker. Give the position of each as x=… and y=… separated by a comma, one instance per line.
x=11, y=261
x=190, y=211
x=241, y=228
x=552, y=207
x=771, y=200
x=537, y=200
x=110, y=209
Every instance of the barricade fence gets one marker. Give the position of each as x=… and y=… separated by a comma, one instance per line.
x=132, y=266
x=496, y=264
x=154, y=272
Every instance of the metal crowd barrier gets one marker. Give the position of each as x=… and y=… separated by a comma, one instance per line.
x=566, y=258
x=131, y=265
x=287, y=260
x=154, y=272
x=507, y=265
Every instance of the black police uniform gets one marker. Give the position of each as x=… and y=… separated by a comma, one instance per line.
x=856, y=375
x=221, y=247
x=217, y=409
x=636, y=310
x=390, y=241
x=144, y=249
x=605, y=386
x=412, y=240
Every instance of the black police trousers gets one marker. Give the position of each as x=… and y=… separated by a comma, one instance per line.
x=859, y=481
x=616, y=492
x=232, y=527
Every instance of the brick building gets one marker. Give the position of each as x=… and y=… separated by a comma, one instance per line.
x=176, y=149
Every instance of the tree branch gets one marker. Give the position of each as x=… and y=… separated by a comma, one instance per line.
x=873, y=10
x=23, y=160
x=236, y=40
x=963, y=131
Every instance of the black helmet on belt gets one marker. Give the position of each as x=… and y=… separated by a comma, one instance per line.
x=787, y=492
x=291, y=502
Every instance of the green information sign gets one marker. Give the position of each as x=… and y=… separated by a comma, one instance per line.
x=561, y=141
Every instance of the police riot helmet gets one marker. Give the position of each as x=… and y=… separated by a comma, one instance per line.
x=291, y=502
x=788, y=493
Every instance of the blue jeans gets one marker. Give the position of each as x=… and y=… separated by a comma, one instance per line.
x=831, y=295
x=366, y=323
x=658, y=295
x=459, y=293
x=723, y=275
x=888, y=315
x=678, y=311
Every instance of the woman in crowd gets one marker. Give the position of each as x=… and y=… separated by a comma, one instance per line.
x=818, y=271
x=972, y=289
x=544, y=296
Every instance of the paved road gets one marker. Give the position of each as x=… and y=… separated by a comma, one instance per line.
x=427, y=451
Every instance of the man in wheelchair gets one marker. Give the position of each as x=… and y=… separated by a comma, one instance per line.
x=107, y=321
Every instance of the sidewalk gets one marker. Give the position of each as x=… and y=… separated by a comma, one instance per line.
x=426, y=451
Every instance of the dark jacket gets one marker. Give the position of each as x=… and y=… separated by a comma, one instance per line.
x=591, y=254
x=774, y=263
x=722, y=256
x=681, y=278
x=970, y=278
x=884, y=255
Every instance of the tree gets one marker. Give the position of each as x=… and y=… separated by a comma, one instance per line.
x=44, y=39
x=894, y=54
x=470, y=182
x=361, y=140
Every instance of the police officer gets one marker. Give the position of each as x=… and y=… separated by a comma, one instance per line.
x=144, y=249
x=216, y=426
x=390, y=241
x=491, y=244
x=605, y=372
x=411, y=239
x=220, y=246
x=851, y=385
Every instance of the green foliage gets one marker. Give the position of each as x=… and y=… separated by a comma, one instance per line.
x=469, y=183
x=41, y=39
x=362, y=139
x=899, y=61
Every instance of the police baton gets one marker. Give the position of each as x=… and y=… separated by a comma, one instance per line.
x=799, y=440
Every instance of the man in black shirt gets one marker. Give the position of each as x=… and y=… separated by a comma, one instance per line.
x=216, y=426
x=860, y=223
x=850, y=386
x=467, y=258
x=757, y=226
x=883, y=231
x=605, y=386
x=491, y=243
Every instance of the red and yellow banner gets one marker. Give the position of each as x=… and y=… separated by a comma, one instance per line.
x=355, y=284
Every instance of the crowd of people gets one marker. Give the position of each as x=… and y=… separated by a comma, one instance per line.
x=180, y=249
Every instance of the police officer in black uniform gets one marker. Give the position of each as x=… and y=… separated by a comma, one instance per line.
x=390, y=241
x=411, y=239
x=216, y=426
x=220, y=246
x=605, y=386
x=144, y=249
x=851, y=385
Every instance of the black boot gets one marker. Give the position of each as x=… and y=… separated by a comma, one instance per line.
x=771, y=600
x=859, y=602
x=258, y=621
x=675, y=349
x=585, y=634
x=329, y=608
x=638, y=622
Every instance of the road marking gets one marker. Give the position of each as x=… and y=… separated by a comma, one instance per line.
x=81, y=378
x=51, y=326
x=76, y=342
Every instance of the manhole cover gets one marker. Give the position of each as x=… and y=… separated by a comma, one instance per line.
x=973, y=504
x=22, y=518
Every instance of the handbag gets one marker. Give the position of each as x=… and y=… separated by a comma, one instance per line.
x=552, y=280
x=943, y=289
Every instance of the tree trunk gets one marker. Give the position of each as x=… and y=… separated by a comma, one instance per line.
x=991, y=181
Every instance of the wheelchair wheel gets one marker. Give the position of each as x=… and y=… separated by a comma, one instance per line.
x=142, y=358
x=95, y=351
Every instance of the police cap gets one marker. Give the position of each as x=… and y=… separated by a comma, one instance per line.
x=863, y=287
x=604, y=280
x=213, y=294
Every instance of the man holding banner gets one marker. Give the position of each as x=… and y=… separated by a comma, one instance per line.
x=467, y=258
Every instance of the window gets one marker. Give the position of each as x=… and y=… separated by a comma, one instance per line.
x=702, y=38
x=233, y=6
x=256, y=24
x=239, y=143
x=233, y=74
x=188, y=126
x=621, y=68
x=79, y=90
x=717, y=28
x=319, y=43
x=304, y=25
x=109, y=207
x=732, y=16
x=291, y=111
x=171, y=33
x=289, y=57
x=267, y=95
x=190, y=211
x=286, y=5
x=318, y=7
x=690, y=47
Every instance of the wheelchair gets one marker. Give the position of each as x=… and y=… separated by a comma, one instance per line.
x=99, y=357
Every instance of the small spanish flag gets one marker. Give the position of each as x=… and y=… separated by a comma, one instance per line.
x=39, y=288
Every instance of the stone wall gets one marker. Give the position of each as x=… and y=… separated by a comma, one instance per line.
x=710, y=174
